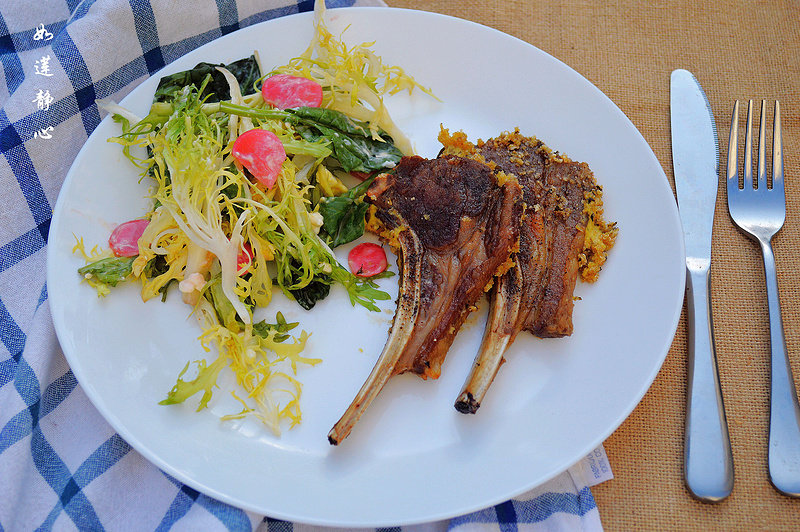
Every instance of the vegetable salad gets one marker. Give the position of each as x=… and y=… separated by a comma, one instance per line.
x=248, y=171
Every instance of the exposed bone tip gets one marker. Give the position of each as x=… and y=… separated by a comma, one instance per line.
x=466, y=403
x=341, y=430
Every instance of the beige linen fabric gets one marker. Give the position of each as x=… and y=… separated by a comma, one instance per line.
x=737, y=50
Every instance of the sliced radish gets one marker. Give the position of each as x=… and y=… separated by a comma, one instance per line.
x=124, y=239
x=367, y=259
x=262, y=153
x=287, y=92
x=244, y=259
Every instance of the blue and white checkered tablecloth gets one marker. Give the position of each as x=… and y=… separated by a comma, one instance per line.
x=62, y=466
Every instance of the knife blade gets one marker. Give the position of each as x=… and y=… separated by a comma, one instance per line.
x=708, y=462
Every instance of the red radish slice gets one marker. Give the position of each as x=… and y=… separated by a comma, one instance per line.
x=124, y=239
x=262, y=153
x=287, y=92
x=244, y=259
x=367, y=259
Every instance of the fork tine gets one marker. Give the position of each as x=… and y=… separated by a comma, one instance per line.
x=777, y=151
x=733, y=146
x=762, y=149
x=748, y=148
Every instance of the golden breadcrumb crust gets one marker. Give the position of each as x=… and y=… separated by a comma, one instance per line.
x=600, y=235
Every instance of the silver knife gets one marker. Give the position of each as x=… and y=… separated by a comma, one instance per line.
x=708, y=463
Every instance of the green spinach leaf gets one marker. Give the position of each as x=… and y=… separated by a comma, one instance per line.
x=245, y=71
x=353, y=145
x=317, y=290
x=352, y=142
x=343, y=216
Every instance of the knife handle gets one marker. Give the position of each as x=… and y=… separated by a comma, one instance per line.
x=708, y=463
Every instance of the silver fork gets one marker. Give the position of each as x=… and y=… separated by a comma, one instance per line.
x=759, y=209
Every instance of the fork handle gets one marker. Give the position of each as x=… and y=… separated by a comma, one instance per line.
x=708, y=462
x=784, y=411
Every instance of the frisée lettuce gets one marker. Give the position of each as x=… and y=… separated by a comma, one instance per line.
x=224, y=239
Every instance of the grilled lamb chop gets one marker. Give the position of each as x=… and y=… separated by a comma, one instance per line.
x=454, y=227
x=537, y=294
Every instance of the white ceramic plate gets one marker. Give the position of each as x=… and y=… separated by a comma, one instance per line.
x=412, y=458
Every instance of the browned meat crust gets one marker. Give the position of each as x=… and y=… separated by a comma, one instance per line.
x=537, y=295
x=465, y=224
x=552, y=234
x=454, y=228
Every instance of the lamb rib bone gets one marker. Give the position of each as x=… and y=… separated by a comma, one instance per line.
x=405, y=317
x=454, y=227
x=498, y=336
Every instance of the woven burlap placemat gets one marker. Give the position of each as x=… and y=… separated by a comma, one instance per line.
x=737, y=50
